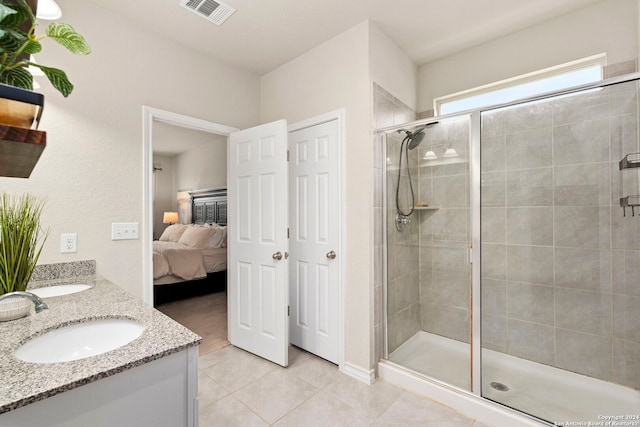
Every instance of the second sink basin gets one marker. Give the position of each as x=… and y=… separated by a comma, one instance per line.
x=58, y=290
x=79, y=340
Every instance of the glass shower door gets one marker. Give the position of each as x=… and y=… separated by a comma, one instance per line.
x=428, y=269
x=560, y=256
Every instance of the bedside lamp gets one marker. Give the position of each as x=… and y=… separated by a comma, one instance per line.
x=170, y=218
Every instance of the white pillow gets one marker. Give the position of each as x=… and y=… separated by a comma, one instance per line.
x=197, y=237
x=219, y=239
x=173, y=233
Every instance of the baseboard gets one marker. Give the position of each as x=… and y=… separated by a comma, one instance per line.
x=363, y=375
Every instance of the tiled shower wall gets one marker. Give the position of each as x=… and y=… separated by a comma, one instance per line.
x=560, y=261
x=445, y=234
x=388, y=111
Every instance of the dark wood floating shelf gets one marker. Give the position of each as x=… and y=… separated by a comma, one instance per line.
x=20, y=150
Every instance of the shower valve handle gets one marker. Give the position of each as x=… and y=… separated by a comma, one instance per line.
x=331, y=255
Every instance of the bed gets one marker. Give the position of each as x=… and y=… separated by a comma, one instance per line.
x=191, y=259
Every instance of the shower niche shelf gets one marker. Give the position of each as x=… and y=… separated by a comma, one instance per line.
x=427, y=208
x=432, y=163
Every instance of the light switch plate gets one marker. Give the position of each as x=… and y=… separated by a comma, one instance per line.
x=124, y=231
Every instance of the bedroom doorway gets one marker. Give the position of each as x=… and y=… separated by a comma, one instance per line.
x=153, y=116
x=177, y=149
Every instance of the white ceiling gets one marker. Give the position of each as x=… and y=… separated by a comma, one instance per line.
x=264, y=34
x=170, y=140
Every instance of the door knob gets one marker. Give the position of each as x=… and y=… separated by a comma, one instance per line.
x=277, y=256
x=331, y=255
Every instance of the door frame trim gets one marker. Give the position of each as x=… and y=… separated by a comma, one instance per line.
x=149, y=115
x=339, y=116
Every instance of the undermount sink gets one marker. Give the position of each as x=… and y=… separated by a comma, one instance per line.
x=58, y=290
x=79, y=340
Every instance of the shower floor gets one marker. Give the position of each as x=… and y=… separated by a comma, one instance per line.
x=546, y=392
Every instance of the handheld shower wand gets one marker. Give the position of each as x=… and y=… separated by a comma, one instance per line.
x=409, y=142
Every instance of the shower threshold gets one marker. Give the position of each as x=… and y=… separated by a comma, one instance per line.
x=550, y=393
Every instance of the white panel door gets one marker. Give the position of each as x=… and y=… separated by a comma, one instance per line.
x=257, y=288
x=314, y=264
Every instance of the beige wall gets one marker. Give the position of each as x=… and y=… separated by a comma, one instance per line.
x=91, y=170
x=204, y=166
x=391, y=68
x=336, y=75
x=164, y=192
x=609, y=26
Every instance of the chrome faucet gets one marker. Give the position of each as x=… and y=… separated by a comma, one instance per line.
x=37, y=301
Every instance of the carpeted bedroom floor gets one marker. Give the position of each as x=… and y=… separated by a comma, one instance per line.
x=205, y=315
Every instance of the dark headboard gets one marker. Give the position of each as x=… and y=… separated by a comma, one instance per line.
x=209, y=206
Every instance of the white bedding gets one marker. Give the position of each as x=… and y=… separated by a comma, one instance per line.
x=174, y=262
x=215, y=259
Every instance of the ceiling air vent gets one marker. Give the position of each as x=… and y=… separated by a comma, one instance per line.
x=214, y=11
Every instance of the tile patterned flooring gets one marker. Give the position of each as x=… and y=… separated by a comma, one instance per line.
x=240, y=389
x=237, y=388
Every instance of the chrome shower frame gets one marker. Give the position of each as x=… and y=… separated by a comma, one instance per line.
x=475, y=222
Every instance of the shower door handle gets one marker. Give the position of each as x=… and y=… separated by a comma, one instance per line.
x=331, y=255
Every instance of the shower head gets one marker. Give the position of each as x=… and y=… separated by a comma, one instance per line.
x=413, y=138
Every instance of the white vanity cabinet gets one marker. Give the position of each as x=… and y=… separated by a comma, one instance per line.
x=160, y=393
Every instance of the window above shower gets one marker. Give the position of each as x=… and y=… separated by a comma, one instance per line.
x=575, y=73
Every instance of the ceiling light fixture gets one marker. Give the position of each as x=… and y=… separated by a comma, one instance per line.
x=48, y=10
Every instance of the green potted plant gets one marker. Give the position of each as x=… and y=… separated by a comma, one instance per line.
x=18, y=41
x=21, y=242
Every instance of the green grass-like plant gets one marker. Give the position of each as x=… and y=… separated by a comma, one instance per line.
x=21, y=240
x=16, y=45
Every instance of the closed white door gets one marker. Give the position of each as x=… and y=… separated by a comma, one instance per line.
x=315, y=258
x=257, y=289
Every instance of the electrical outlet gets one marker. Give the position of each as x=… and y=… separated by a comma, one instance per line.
x=124, y=231
x=68, y=243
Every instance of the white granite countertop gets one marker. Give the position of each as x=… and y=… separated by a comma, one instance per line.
x=22, y=383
